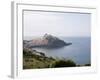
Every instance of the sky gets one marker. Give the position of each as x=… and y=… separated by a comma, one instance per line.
x=37, y=23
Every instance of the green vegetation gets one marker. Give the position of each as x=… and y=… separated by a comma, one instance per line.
x=33, y=59
x=87, y=65
x=64, y=63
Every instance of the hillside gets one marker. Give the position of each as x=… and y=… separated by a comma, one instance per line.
x=47, y=41
x=33, y=59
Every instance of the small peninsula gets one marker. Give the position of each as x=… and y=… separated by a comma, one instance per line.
x=46, y=41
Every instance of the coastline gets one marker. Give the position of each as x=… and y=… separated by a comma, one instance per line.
x=33, y=59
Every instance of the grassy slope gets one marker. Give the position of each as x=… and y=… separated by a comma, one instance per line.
x=33, y=59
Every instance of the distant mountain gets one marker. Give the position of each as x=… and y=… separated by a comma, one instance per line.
x=47, y=41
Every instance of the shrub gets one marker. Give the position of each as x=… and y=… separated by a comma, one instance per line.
x=64, y=63
x=87, y=64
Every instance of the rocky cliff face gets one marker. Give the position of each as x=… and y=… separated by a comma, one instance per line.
x=47, y=41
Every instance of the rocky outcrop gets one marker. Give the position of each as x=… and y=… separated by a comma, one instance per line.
x=47, y=41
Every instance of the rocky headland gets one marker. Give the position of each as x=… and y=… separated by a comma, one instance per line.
x=46, y=41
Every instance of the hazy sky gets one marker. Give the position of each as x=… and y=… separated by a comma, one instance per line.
x=59, y=24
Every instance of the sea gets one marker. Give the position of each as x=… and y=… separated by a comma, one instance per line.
x=79, y=51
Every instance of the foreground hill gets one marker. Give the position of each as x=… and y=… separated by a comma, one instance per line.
x=47, y=41
x=33, y=59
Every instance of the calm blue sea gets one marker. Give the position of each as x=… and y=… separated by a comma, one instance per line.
x=79, y=51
